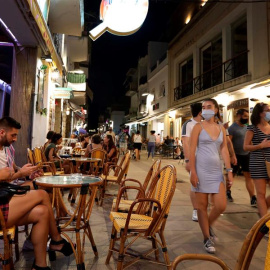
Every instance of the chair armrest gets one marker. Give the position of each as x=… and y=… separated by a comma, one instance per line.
x=201, y=257
x=131, y=180
x=139, y=201
x=122, y=190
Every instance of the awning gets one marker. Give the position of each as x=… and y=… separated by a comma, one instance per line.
x=42, y=25
x=76, y=77
x=62, y=92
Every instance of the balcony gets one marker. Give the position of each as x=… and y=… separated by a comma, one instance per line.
x=229, y=70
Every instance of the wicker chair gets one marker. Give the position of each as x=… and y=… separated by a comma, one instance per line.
x=40, y=158
x=119, y=174
x=249, y=246
x=8, y=236
x=144, y=223
x=97, y=168
x=124, y=205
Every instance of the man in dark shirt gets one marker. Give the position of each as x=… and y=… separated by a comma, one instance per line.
x=237, y=132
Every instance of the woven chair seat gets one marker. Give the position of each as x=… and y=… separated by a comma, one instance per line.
x=137, y=222
x=10, y=231
x=110, y=177
x=124, y=205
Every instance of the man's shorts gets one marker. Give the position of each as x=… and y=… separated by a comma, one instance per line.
x=243, y=162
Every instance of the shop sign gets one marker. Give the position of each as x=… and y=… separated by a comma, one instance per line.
x=237, y=104
x=120, y=17
x=65, y=93
x=156, y=106
x=38, y=16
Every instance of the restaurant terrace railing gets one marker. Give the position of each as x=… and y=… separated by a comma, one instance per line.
x=231, y=69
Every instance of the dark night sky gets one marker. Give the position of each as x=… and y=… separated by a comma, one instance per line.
x=112, y=56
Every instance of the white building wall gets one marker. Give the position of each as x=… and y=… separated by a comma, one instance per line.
x=154, y=85
x=40, y=122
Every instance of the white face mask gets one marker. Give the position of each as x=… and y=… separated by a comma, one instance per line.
x=207, y=114
x=267, y=116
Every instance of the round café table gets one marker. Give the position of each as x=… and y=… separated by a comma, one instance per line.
x=94, y=162
x=79, y=220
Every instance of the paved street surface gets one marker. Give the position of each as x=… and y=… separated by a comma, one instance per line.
x=182, y=234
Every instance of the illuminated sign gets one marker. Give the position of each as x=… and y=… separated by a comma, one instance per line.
x=61, y=92
x=120, y=17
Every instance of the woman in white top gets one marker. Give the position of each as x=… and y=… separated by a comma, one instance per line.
x=151, y=144
x=137, y=139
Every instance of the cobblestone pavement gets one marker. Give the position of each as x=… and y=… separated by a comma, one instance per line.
x=182, y=234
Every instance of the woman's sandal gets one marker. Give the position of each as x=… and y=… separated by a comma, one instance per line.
x=40, y=268
x=66, y=249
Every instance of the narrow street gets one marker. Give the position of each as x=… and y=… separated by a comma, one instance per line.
x=182, y=234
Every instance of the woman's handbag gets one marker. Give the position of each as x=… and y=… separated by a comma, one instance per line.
x=267, y=163
x=7, y=191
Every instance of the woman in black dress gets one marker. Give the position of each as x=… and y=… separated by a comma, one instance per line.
x=257, y=141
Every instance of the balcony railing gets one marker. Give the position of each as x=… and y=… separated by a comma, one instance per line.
x=231, y=69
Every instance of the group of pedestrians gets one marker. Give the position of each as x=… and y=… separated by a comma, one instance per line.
x=209, y=147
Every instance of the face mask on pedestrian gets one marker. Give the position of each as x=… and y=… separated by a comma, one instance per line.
x=267, y=116
x=243, y=121
x=207, y=114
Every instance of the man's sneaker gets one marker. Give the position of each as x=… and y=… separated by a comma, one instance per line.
x=209, y=246
x=253, y=201
x=213, y=236
x=229, y=196
x=195, y=215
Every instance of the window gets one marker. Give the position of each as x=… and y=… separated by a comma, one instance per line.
x=186, y=77
x=211, y=63
x=162, y=90
x=239, y=47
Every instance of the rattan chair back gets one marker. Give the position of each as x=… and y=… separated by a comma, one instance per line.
x=30, y=156
x=100, y=154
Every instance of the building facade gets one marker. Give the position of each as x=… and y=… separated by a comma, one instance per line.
x=222, y=53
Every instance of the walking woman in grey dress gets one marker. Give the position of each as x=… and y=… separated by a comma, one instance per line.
x=207, y=143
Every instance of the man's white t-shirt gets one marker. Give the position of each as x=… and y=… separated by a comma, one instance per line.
x=3, y=159
x=187, y=127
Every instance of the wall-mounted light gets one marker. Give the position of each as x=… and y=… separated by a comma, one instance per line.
x=47, y=58
x=253, y=99
x=203, y=3
x=188, y=19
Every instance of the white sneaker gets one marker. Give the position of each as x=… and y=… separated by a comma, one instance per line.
x=195, y=215
x=209, y=246
x=213, y=236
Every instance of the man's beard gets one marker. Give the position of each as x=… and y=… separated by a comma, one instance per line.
x=5, y=142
